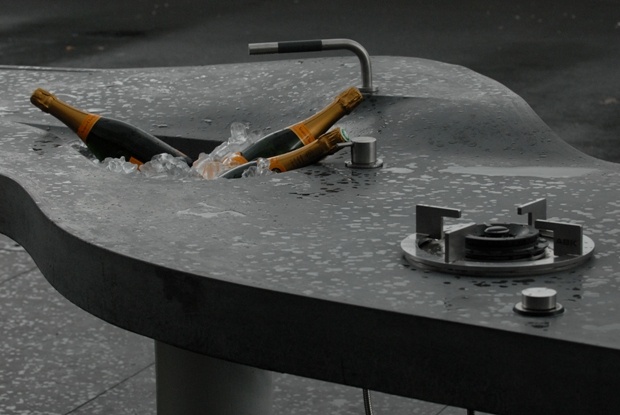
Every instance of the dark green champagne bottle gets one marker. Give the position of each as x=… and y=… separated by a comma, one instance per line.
x=105, y=137
x=303, y=132
x=312, y=153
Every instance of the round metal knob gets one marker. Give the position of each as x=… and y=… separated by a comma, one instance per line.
x=364, y=153
x=539, y=301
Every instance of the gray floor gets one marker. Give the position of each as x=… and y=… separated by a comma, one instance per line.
x=561, y=56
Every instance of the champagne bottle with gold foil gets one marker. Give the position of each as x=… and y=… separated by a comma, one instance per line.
x=323, y=146
x=105, y=137
x=301, y=133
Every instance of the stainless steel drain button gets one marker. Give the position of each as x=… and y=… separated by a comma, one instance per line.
x=539, y=301
x=364, y=154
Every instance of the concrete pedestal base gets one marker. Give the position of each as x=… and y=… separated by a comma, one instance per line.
x=191, y=384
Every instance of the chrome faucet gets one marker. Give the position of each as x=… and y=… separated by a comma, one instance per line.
x=319, y=45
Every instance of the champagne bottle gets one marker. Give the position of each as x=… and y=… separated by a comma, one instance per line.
x=105, y=137
x=323, y=146
x=301, y=133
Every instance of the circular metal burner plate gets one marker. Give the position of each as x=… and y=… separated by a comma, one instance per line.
x=428, y=254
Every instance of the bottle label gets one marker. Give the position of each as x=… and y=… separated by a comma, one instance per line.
x=87, y=125
x=301, y=131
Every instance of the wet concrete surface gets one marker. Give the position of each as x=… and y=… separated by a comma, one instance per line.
x=560, y=56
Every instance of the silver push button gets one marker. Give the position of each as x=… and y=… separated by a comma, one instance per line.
x=538, y=301
x=364, y=154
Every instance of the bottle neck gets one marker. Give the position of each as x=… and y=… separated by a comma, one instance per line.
x=70, y=116
x=325, y=145
x=344, y=103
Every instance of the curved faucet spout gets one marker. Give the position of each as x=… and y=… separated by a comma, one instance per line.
x=318, y=45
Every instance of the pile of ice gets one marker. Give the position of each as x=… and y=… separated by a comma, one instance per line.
x=219, y=160
x=207, y=166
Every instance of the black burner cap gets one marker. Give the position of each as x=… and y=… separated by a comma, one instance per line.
x=504, y=242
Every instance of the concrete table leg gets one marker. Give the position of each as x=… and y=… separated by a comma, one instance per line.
x=190, y=384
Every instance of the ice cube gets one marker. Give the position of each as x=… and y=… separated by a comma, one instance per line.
x=238, y=133
x=165, y=165
x=239, y=139
x=261, y=169
x=118, y=165
x=206, y=167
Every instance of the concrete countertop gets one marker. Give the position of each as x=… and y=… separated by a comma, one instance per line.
x=302, y=272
